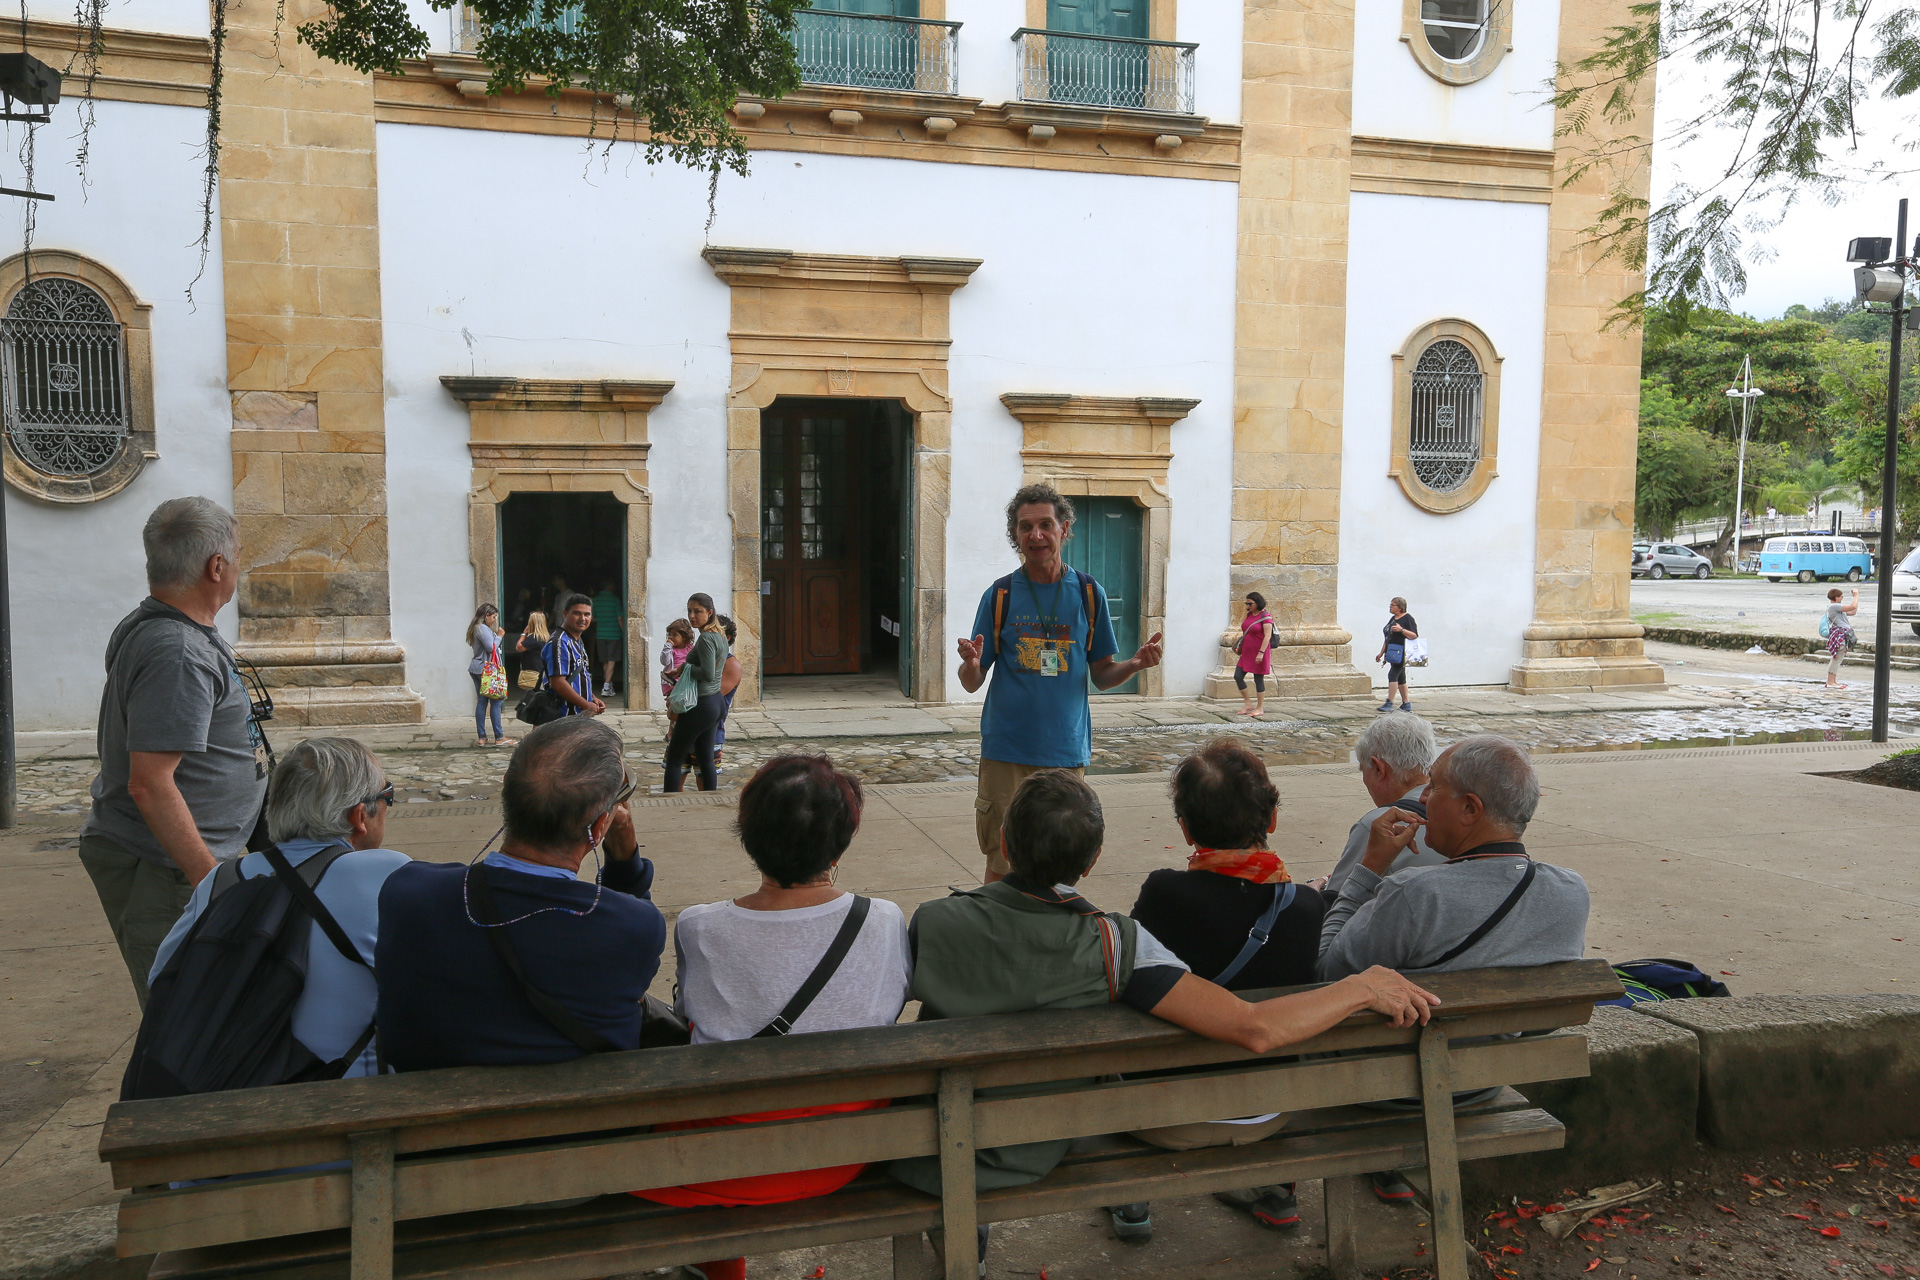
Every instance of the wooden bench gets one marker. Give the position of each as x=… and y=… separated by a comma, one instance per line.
x=421, y=1186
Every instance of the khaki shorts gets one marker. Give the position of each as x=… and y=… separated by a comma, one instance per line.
x=1210, y=1133
x=998, y=781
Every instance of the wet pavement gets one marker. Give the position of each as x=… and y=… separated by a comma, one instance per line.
x=1724, y=699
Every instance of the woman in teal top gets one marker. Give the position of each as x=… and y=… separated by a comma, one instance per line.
x=694, y=730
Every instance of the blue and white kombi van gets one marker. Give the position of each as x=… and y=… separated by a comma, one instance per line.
x=1810, y=558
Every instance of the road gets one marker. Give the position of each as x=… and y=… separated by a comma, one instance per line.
x=1750, y=604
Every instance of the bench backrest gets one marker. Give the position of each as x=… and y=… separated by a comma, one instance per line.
x=578, y=1127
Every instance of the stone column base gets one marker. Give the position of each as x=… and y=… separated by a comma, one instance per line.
x=1561, y=657
x=1309, y=662
x=316, y=685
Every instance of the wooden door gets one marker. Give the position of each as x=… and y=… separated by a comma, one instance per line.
x=810, y=544
x=1106, y=544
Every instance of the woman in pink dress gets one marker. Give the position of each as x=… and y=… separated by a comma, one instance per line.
x=1256, y=655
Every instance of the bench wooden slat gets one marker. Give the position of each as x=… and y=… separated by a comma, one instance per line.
x=461, y=1182
x=571, y=1250
x=1188, y=1050
x=1438, y=1079
x=302, y=1113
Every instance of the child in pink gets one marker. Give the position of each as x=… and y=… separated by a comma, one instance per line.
x=673, y=656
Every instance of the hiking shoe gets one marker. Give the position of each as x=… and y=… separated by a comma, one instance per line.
x=1391, y=1187
x=1275, y=1207
x=1132, y=1223
x=1406, y=706
x=1387, y=705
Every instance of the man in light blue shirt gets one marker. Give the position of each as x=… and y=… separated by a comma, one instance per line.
x=326, y=792
x=1043, y=632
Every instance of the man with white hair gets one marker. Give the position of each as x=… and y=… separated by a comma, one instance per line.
x=1394, y=755
x=183, y=765
x=327, y=793
x=1489, y=905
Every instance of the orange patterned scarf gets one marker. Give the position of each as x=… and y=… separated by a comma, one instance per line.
x=1258, y=865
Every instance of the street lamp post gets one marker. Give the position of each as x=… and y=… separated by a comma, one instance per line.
x=1884, y=279
x=1745, y=393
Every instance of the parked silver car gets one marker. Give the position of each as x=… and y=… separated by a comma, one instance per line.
x=1669, y=560
x=1906, y=591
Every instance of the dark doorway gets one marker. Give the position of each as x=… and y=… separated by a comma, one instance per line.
x=580, y=538
x=835, y=550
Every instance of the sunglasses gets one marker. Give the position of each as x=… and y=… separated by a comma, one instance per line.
x=384, y=794
x=628, y=784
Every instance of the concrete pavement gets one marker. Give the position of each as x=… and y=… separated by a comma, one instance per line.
x=1753, y=604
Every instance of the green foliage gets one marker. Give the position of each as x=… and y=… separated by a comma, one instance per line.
x=1700, y=363
x=678, y=64
x=1793, y=74
x=1857, y=381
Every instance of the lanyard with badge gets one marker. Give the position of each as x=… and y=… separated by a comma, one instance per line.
x=1050, y=664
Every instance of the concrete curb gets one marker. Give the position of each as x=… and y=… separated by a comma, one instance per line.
x=75, y=1245
x=1803, y=1071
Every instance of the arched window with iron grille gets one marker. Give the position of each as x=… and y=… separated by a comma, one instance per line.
x=1443, y=440
x=63, y=378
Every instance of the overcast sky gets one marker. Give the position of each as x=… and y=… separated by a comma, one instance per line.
x=1809, y=246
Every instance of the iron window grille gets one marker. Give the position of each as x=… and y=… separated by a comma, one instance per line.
x=1443, y=444
x=1455, y=29
x=877, y=51
x=63, y=378
x=466, y=29
x=1103, y=71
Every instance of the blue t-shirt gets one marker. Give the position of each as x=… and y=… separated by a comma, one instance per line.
x=1032, y=718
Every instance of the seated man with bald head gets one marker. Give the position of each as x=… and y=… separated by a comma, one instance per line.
x=1488, y=905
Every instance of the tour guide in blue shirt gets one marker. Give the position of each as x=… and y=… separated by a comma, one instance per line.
x=1044, y=631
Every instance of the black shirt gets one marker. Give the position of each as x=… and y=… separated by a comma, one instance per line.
x=1204, y=918
x=1406, y=623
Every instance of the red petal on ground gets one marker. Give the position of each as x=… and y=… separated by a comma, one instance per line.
x=1593, y=1265
x=1914, y=1161
x=1831, y=1233
x=1728, y=973
x=1727, y=1209
x=1750, y=1180
x=1882, y=1224
x=1803, y=1217
x=1554, y=1208
x=1620, y=1219
x=1511, y=1249
x=816, y=1273
x=1885, y=1269
x=1590, y=1238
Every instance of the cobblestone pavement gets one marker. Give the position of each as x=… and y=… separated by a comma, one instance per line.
x=1771, y=701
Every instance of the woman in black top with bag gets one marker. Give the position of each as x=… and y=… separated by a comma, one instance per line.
x=1400, y=628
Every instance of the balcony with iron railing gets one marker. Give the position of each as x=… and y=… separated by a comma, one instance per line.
x=465, y=36
x=874, y=51
x=1104, y=71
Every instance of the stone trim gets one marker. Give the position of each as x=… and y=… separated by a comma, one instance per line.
x=536, y=435
x=835, y=325
x=1404, y=167
x=447, y=90
x=1110, y=447
x=1496, y=44
x=135, y=66
x=136, y=319
x=1488, y=469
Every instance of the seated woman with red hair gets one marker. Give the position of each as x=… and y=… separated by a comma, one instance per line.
x=747, y=965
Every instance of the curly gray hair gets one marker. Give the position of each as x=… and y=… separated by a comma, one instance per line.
x=1030, y=494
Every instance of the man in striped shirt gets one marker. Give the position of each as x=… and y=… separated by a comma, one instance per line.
x=563, y=662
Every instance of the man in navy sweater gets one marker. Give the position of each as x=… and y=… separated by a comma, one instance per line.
x=447, y=995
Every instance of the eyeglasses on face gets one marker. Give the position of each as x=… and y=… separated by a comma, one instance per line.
x=384, y=794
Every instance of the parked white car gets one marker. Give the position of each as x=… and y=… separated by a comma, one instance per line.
x=1906, y=591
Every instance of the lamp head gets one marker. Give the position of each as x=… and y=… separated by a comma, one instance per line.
x=1870, y=249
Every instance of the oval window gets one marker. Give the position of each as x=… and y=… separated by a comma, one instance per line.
x=1455, y=29
x=1443, y=444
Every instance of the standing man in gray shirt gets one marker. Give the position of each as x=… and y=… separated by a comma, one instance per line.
x=1394, y=754
x=1482, y=795
x=183, y=766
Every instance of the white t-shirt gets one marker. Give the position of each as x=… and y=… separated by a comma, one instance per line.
x=738, y=968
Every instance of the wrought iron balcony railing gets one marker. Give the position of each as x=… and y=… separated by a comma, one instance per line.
x=873, y=51
x=467, y=28
x=1104, y=71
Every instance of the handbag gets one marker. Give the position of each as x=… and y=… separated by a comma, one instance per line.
x=493, y=679
x=1416, y=652
x=529, y=678
x=538, y=707
x=686, y=692
x=1396, y=654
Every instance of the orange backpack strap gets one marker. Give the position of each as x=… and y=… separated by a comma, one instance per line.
x=999, y=614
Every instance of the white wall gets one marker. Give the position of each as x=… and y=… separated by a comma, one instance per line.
x=1467, y=577
x=77, y=570
x=1095, y=284
x=174, y=17
x=1394, y=98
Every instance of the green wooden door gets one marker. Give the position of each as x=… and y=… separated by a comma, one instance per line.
x=1106, y=544
x=1099, y=17
x=1098, y=73
x=846, y=50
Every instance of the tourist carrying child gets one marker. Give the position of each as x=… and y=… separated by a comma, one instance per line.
x=673, y=657
x=1839, y=632
x=489, y=687
x=1256, y=655
x=694, y=729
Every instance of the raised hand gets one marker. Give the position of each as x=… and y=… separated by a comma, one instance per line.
x=1387, y=836
x=1149, y=653
x=970, y=650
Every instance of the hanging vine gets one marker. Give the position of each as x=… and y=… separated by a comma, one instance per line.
x=210, y=180
x=90, y=17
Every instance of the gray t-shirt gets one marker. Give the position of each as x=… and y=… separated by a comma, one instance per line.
x=1837, y=618
x=1411, y=918
x=1416, y=854
x=172, y=686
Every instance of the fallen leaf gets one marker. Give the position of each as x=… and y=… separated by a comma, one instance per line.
x=1511, y=1249
x=1831, y=1233
x=1728, y=973
x=1594, y=1265
x=1882, y=1224
x=816, y=1273
x=1884, y=1269
x=1803, y=1217
x=1727, y=1209
x=1846, y=1166
x=1750, y=1180
x=1853, y=1210
x=1914, y=1161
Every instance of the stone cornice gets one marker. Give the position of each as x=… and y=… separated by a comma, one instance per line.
x=1405, y=166
x=774, y=266
x=134, y=66
x=1045, y=406
x=548, y=394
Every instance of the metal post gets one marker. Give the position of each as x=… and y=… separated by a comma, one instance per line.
x=8, y=796
x=1889, y=480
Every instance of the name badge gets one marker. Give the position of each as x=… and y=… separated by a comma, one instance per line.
x=1049, y=662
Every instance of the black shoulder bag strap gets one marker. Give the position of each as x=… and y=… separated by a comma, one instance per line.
x=300, y=882
x=1487, y=925
x=823, y=972
x=556, y=1015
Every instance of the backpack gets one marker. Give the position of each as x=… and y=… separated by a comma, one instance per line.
x=1648, y=981
x=220, y=1014
x=1003, y=589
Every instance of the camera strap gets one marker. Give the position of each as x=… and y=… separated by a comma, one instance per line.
x=551, y=1011
x=823, y=972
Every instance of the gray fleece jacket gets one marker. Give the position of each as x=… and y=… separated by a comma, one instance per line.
x=1411, y=918
x=1416, y=854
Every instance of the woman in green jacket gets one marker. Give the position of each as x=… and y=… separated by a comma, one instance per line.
x=694, y=730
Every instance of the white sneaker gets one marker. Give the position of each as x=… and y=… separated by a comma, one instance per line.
x=606, y=691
